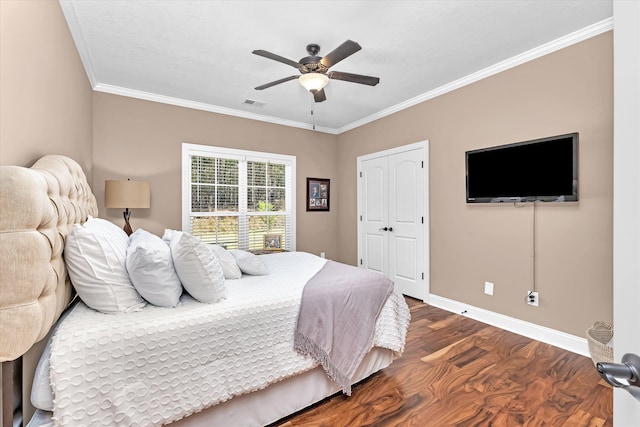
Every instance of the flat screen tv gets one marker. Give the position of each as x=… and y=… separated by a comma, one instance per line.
x=543, y=169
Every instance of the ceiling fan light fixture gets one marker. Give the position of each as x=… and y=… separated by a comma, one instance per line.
x=313, y=82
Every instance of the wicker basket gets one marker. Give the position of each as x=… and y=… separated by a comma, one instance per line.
x=598, y=336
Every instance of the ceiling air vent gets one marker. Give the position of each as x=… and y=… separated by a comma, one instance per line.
x=253, y=102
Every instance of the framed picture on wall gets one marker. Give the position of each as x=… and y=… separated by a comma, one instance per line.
x=318, y=193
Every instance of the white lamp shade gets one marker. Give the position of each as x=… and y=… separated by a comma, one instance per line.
x=313, y=82
x=127, y=194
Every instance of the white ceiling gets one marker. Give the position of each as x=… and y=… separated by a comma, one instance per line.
x=198, y=53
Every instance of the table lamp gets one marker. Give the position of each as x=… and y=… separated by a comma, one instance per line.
x=127, y=194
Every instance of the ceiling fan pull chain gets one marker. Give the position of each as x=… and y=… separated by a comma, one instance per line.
x=313, y=117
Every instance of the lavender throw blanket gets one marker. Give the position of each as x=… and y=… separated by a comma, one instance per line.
x=337, y=318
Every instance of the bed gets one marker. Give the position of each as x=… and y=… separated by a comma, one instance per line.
x=228, y=361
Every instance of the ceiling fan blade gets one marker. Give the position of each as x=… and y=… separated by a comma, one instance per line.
x=277, y=82
x=275, y=57
x=319, y=96
x=347, y=48
x=354, y=78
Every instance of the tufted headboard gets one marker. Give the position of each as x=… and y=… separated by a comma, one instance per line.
x=38, y=207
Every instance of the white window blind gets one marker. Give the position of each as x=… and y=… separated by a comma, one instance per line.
x=236, y=197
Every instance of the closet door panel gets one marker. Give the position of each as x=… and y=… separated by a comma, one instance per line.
x=405, y=267
x=375, y=255
x=406, y=201
x=375, y=217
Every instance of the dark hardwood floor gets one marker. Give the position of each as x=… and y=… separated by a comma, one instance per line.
x=459, y=372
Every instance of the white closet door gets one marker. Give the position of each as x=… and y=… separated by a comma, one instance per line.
x=375, y=216
x=392, y=224
x=406, y=228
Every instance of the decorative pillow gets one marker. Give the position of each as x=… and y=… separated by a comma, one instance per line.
x=197, y=267
x=227, y=262
x=151, y=270
x=249, y=263
x=95, y=254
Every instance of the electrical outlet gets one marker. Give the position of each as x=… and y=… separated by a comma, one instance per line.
x=533, y=298
x=488, y=288
x=322, y=255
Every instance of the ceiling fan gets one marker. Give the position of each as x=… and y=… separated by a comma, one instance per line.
x=314, y=69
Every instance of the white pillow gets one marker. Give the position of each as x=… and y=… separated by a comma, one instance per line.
x=227, y=262
x=95, y=254
x=249, y=263
x=151, y=270
x=197, y=267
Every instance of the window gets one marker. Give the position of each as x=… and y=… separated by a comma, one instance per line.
x=235, y=197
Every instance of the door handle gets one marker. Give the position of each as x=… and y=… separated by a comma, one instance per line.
x=390, y=228
x=625, y=375
x=383, y=229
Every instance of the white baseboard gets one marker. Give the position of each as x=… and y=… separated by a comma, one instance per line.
x=530, y=330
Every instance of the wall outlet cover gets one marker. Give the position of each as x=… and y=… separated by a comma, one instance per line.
x=533, y=298
x=488, y=288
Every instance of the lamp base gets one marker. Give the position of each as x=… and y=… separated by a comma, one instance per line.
x=127, y=227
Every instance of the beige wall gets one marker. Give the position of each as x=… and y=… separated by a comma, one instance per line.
x=143, y=140
x=569, y=90
x=46, y=101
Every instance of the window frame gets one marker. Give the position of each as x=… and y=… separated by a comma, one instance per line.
x=190, y=150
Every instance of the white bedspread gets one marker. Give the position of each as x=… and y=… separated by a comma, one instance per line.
x=161, y=364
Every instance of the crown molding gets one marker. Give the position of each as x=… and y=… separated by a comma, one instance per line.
x=76, y=34
x=179, y=102
x=547, y=48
